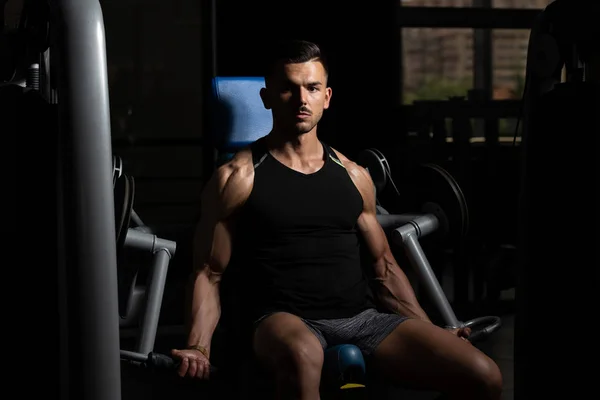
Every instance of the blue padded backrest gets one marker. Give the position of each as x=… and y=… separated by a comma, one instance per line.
x=239, y=116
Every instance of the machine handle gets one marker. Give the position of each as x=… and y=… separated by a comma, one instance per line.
x=490, y=325
x=156, y=360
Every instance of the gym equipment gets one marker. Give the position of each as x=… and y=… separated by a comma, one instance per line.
x=237, y=119
x=440, y=206
x=92, y=230
x=83, y=246
x=431, y=189
x=156, y=361
x=559, y=174
x=136, y=302
x=88, y=233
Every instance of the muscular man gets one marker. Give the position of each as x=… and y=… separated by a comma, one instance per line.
x=288, y=212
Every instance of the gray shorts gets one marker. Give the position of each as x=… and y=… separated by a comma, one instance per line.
x=365, y=330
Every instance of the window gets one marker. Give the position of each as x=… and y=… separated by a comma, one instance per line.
x=438, y=63
x=509, y=53
x=437, y=3
x=532, y=4
x=516, y=4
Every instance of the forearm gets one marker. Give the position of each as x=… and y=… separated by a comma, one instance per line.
x=205, y=310
x=395, y=292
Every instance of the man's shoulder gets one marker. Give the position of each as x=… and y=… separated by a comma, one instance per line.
x=360, y=177
x=356, y=171
x=235, y=177
x=240, y=161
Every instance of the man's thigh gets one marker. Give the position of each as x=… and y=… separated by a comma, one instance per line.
x=421, y=355
x=282, y=338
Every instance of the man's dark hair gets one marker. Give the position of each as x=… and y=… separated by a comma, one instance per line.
x=293, y=52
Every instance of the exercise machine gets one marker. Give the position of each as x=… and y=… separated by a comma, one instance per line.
x=60, y=45
x=139, y=305
x=438, y=207
x=55, y=80
x=90, y=237
x=557, y=277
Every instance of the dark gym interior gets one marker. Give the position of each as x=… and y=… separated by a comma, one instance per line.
x=108, y=106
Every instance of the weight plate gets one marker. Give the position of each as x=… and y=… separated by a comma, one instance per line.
x=377, y=165
x=435, y=190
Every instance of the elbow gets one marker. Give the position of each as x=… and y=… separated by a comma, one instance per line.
x=211, y=274
x=203, y=274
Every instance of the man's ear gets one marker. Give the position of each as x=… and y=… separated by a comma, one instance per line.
x=264, y=95
x=328, y=93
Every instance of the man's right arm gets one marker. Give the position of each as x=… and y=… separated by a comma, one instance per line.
x=226, y=191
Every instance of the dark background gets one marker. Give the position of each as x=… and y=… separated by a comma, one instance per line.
x=162, y=54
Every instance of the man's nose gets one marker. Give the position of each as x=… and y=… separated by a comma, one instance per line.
x=301, y=95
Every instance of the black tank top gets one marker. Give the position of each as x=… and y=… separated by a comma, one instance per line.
x=296, y=244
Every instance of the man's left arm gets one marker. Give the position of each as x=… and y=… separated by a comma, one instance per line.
x=393, y=287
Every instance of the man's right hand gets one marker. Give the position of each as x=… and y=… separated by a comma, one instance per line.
x=193, y=363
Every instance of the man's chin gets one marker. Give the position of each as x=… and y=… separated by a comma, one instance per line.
x=302, y=127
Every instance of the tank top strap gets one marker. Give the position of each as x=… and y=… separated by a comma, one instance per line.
x=332, y=154
x=259, y=151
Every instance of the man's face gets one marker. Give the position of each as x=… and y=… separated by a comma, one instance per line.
x=297, y=95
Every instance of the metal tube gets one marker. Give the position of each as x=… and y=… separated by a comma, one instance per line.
x=154, y=295
x=420, y=225
x=148, y=242
x=136, y=219
x=134, y=356
x=419, y=261
x=91, y=262
x=427, y=223
x=395, y=220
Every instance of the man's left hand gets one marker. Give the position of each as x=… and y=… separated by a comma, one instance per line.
x=462, y=333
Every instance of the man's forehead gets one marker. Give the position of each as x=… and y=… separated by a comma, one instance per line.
x=311, y=69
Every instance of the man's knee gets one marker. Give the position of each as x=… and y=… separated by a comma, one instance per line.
x=488, y=375
x=302, y=355
x=286, y=343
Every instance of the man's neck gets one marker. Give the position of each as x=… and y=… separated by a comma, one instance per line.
x=295, y=147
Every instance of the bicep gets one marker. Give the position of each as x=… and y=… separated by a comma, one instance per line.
x=213, y=235
x=373, y=234
x=212, y=245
